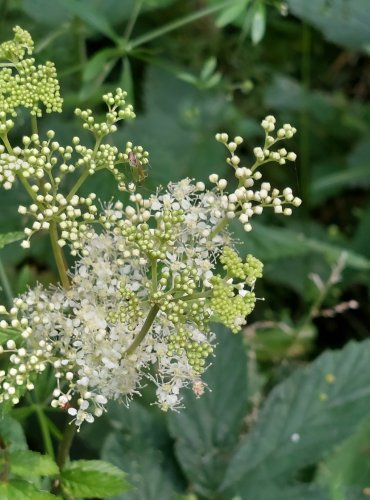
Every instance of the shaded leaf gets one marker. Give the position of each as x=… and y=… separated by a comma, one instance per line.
x=11, y=434
x=7, y=238
x=141, y=447
x=231, y=13
x=92, y=17
x=341, y=21
x=258, y=26
x=270, y=243
x=207, y=428
x=303, y=417
x=30, y=463
x=349, y=464
x=95, y=65
x=93, y=478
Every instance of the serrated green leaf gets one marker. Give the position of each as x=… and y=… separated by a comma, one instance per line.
x=258, y=27
x=207, y=428
x=93, y=478
x=7, y=238
x=16, y=489
x=27, y=463
x=142, y=447
x=145, y=467
x=303, y=417
x=11, y=434
x=349, y=464
x=231, y=13
x=93, y=18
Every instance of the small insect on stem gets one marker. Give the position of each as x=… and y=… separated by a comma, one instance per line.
x=139, y=173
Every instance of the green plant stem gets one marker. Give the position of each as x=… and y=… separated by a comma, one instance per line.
x=220, y=226
x=58, y=255
x=133, y=17
x=78, y=184
x=195, y=296
x=44, y=426
x=178, y=23
x=154, y=275
x=65, y=444
x=145, y=329
x=305, y=118
x=34, y=126
x=6, y=285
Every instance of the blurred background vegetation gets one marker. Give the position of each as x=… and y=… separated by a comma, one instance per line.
x=199, y=67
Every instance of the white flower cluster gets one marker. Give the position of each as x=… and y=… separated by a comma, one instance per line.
x=141, y=296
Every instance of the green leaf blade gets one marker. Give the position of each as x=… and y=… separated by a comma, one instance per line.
x=7, y=238
x=93, y=478
x=210, y=425
x=27, y=463
x=313, y=410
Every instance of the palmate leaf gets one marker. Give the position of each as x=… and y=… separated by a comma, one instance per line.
x=207, y=429
x=303, y=418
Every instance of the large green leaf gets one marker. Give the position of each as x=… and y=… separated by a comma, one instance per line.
x=303, y=418
x=141, y=446
x=345, y=22
x=93, y=478
x=207, y=429
x=349, y=464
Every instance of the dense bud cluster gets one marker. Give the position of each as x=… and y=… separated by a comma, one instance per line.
x=30, y=86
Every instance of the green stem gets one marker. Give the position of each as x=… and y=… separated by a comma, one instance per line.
x=131, y=22
x=78, y=184
x=195, y=296
x=85, y=175
x=58, y=255
x=154, y=275
x=145, y=329
x=34, y=126
x=65, y=444
x=178, y=23
x=44, y=431
x=305, y=118
x=220, y=226
x=6, y=285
